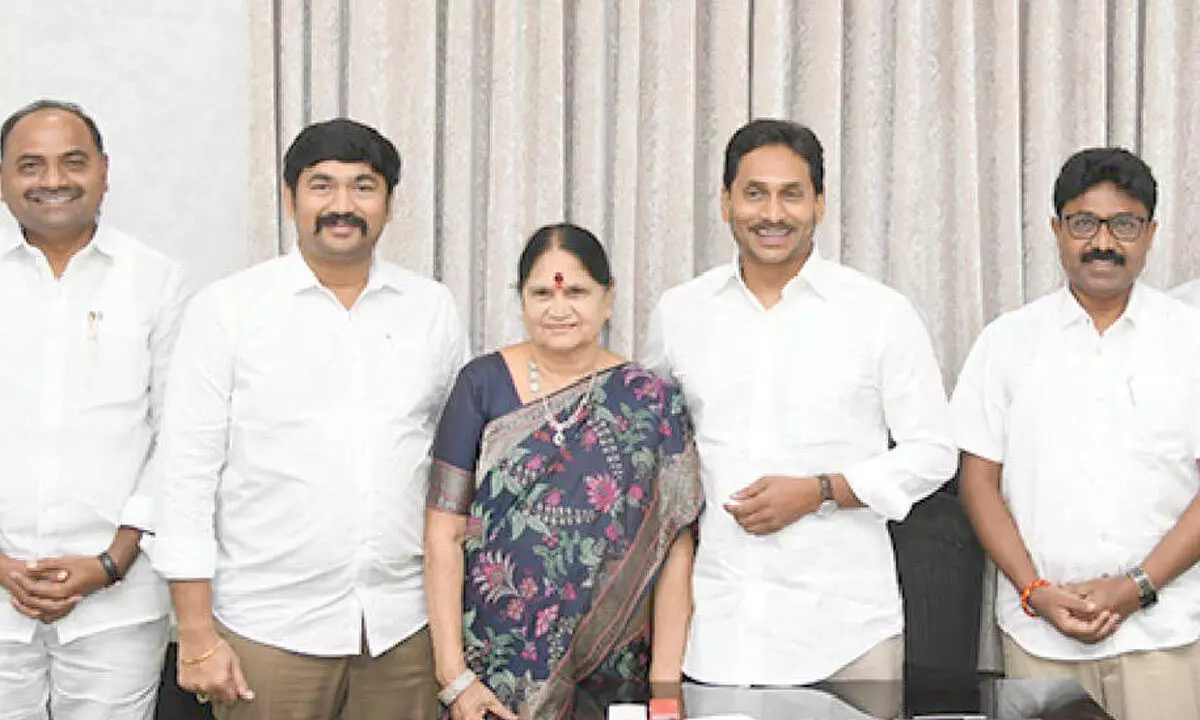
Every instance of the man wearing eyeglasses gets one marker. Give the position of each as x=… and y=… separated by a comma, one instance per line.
x=1078, y=423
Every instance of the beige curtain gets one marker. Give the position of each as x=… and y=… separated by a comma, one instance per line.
x=944, y=123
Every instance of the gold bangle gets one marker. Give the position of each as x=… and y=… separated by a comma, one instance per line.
x=201, y=658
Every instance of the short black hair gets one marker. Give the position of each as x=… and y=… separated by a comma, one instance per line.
x=578, y=241
x=39, y=105
x=344, y=140
x=1093, y=166
x=767, y=131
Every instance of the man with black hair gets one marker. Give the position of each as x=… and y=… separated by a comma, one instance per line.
x=89, y=317
x=1078, y=423
x=299, y=418
x=796, y=370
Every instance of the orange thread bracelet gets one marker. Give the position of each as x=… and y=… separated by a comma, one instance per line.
x=1027, y=591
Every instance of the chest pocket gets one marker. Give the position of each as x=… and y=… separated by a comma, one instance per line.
x=1162, y=411
x=117, y=354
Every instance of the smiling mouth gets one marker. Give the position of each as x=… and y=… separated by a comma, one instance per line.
x=772, y=235
x=54, y=199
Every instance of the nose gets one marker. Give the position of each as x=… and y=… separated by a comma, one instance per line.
x=773, y=211
x=559, y=307
x=1104, y=239
x=54, y=176
x=342, y=200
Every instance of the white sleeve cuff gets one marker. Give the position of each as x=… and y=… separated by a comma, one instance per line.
x=185, y=558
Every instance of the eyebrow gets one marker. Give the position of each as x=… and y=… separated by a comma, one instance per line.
x=780, y=183
x=326, y=177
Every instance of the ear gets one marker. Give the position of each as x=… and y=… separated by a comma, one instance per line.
x=104, y=170
x=1151, y=227
x=726, y=205
x=289, y=203
x=391, y=206
x=820, y=212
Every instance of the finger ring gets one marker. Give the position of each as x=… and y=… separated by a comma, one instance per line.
x=201, y=698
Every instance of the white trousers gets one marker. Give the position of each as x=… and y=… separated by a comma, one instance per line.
x=112, y=675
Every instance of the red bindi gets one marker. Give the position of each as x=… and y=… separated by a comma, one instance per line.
x=558, y=280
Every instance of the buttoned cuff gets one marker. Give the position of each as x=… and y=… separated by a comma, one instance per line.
x=185, y=558
x=138, y=513
x=874, y=482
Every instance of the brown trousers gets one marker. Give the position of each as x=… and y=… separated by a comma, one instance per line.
x=397, y=685
x=1154, y=685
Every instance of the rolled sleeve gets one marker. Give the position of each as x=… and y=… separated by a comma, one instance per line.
x=193, y=443
x=916, y=414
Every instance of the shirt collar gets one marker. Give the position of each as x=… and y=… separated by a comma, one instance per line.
x=814, y=274
x=1070, y=311
x=104, y=240
x=300, y=277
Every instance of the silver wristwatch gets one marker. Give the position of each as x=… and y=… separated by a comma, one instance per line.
x=1147, y=595
x=456, y=687
x=828, y=502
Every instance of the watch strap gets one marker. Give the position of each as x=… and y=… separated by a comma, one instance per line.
x=457, y=686
x=1147, y=594
x=111, y=569
x=826, y=488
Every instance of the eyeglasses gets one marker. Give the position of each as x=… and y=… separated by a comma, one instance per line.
x=1125, y=227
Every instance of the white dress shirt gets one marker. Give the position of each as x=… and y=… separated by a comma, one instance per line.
x=83, y=362
x=812, y=385
x=1098, y=436
x=295, y=441
x=1189, y=292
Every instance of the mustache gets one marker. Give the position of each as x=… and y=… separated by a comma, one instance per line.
x=1095, y=254
x=329, y=219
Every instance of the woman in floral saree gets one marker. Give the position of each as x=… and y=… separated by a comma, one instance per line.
x=563, y=489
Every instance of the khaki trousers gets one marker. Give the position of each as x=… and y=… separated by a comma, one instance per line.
x=1152, y=685
x=858, y=682
x=397, y=685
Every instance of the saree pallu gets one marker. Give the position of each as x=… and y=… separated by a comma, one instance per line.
x=565, y=542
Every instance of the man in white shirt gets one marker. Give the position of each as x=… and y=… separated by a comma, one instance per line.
x=1189, y=292
x=1077, y=417
x=89, y=318
x=299, y=418
x=796, y=369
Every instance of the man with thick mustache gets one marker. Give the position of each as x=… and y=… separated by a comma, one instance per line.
x=796, y=369
x=1079, y=425
x=89, y=317
x=299, y=417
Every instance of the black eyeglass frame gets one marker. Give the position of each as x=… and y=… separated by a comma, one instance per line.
x=1142, y=222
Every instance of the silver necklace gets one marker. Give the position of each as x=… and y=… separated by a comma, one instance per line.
x=560, y=428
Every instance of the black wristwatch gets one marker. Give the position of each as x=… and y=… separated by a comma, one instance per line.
x=828, y=502
x=111, y=569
